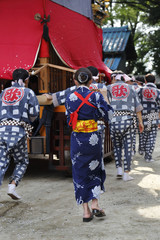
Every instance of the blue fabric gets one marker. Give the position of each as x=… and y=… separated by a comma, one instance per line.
x=147, y=141
x=59, y=98
x=123, y=97
x=20, y=155
x=86, y=148
x=122, y=135
x=88, y=112
x=20, y=104
x=149, y=96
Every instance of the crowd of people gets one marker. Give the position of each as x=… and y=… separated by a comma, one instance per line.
x=134, y=103
x=129, y=105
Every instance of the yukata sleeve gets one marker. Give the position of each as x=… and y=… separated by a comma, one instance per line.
x=158, y=99
x=138, y=105
x=109, y=94
x=68, y=112
x=59, y=98
x=104, y=86
x=158, y=103
x=33, y=109
x=105, y=109
x=101, y=85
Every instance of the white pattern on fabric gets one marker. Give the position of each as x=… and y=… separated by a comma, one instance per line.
x=89, y=145
x=150, y=117
x=75, y=157
x=93, y=164
x=97, y=97
x=93, y=139
x=73, y=97
x=14, y=123
x=27, y=127
x=80, y=201
x=78, y=185
x=77, y=140
x=96, y=192
x=124, y=113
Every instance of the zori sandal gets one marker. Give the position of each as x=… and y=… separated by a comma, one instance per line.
x=88, y=219
x=98, y=212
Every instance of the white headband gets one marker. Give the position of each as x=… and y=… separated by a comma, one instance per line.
x=95, y=77
x=20, y=82
x=119, y=77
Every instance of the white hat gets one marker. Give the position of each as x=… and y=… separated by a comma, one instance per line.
x=122, y=76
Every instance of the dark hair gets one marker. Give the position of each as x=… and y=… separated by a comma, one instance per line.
x=150, y=78
x=20, y=73
x=33, y=83
x=93, y=70
x=33, y=78
x=116, y=72
x=140, y=79
x=158, y=85
x=83, y=75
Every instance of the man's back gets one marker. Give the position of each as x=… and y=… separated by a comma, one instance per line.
x=18, y=103
x=149, y=96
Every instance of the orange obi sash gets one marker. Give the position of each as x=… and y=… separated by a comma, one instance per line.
x=74, y=115
x=86, y=126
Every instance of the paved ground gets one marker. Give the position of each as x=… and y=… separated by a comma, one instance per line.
x=48, y=210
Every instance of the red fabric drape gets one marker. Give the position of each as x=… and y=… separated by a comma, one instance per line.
x=20, y=34
x=76, y=38
x=44, y=49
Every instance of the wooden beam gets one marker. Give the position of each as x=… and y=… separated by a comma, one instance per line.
x=39, y=69
x=61, y=68
x=53, y=66
x=44, y=76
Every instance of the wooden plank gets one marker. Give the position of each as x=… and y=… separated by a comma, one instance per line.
x=39, y=69
x=44, y=75
x=60, y=108
x=42, y=99
x=61, y=68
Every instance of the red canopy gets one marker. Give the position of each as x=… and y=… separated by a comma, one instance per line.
x=20, y=35
x=76, y=39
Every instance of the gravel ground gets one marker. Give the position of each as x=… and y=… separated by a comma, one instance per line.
x=48, y=210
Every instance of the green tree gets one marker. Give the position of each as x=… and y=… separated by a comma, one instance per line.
x=138, y=15
x=150, y=8
x=154, y=46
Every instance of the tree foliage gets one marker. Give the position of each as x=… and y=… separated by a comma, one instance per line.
x=151, y=8
x=154, y=45
x=140, y=16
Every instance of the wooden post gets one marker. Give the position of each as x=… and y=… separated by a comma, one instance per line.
x=44, y=79
x=64, y=79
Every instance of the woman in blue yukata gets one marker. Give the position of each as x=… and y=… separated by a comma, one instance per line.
x=83, y=109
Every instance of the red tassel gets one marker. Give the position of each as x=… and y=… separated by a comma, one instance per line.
x=73, y=119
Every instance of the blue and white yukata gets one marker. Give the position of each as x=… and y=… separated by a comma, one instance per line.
x=101, y=124
x=135, y=85
x=124, y=100
x=86, y=144
x=59, y=98
x=139, y=133
x=19, y=107
x=149, y=96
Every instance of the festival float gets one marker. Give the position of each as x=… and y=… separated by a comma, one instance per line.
x=51, y=39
